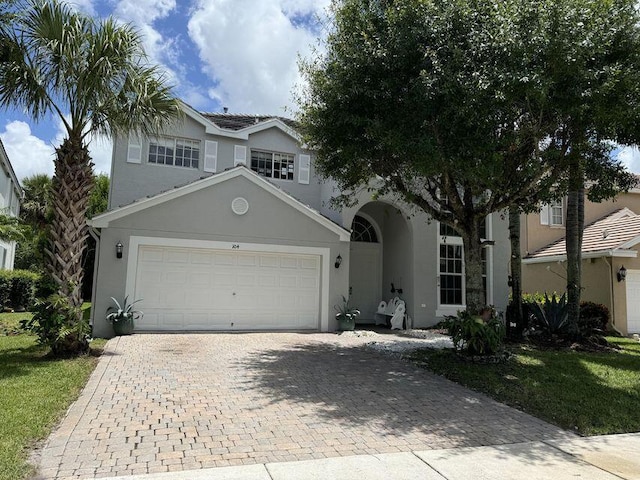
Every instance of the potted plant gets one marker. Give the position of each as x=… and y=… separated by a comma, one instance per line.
x=122, y=317
x=346, y=315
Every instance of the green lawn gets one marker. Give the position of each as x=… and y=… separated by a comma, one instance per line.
x=591, y=393
x=34, y=393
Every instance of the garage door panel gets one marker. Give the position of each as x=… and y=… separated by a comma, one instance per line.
x=199, y=289
x=633, y=301
x=200, y=258
x=224, y=258
x=247, y=260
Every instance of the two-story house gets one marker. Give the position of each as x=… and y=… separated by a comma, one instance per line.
x=610, y=265
x=223, y=224
x=10, y=198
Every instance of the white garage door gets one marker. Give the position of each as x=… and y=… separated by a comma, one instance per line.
x=633, y=301
x=203, y=289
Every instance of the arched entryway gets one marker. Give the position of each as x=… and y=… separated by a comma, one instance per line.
x=381, y=255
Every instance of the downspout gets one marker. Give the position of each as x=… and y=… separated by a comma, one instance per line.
x=95, y=234
x=611, y=297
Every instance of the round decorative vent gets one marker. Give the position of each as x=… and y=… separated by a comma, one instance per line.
x=240, y=206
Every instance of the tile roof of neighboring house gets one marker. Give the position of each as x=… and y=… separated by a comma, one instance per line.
x=232, y=121
x=617, y=232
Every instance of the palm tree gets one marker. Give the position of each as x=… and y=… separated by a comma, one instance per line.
x=94, y=76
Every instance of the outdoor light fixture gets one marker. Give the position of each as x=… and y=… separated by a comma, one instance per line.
x=119, y=248
x=622, y=274
x=338, y=261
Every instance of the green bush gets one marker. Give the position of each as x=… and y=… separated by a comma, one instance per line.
x=59, y=326
x=594, y=318
x=476, y=334
x=18, y=288
x=551, y=315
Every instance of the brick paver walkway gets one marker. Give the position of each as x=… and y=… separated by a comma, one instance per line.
x=178, y=402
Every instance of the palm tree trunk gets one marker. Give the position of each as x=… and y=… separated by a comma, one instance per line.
x=575, y=222
x=71, y=184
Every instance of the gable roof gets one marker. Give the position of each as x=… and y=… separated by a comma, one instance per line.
x=240, y=126
x=103, y=220
x=611, y=236
x=232, y=121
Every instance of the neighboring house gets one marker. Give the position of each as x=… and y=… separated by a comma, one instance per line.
x=10, y=198
x=611, y=241
x=223, y=224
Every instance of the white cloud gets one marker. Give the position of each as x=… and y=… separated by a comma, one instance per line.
x=250, y=49
x=143, y=13
x=630, y=157
x=84, y=6
x=30, y=154
x=27, y=153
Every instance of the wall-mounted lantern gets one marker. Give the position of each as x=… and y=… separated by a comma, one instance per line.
x=622, y=274
x=119, y=248
x=338, y=261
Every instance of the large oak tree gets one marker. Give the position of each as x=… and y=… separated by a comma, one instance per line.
x=456, y=107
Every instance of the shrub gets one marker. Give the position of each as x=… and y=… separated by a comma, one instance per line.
x=594, y=318
x=476, y=334
x=550, y=316
x=59, y=326
x=18, y=288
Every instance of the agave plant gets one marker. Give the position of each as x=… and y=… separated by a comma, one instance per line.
x=123, y=313
x=552, y=315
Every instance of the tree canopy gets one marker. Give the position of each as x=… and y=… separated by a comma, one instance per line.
x=464, y=108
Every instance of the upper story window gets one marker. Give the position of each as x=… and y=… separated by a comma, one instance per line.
x=178, y=152
x=552, y=214
x=272, y=165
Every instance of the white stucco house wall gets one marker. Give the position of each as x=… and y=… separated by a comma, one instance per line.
x=10, y=200
x=223, y=224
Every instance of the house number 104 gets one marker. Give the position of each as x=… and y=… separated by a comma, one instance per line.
x=235, y=246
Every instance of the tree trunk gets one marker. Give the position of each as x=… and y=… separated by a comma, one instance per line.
x=575, y=221
x=516, y=273
x=71, y=185
x=474, y=296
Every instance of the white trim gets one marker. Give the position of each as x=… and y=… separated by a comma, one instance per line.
x=210, y=156
x=304, y=169
x=631, y=243
x=239, y=155
x=136, y=242
x=598, y=254
x=103, y=220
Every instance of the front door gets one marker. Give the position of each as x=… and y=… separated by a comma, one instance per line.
x=365, y=279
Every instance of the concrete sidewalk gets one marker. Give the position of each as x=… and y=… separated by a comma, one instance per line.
x=608, y=457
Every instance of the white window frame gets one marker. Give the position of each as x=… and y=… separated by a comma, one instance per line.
x=549, y=214
x=166, y=140
x=290, y=162
x=446, y=309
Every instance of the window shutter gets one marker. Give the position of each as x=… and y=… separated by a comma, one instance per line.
x=134, y=152
x=304, y=166
x=544, y=215
x=239, y=155
x=210, y=156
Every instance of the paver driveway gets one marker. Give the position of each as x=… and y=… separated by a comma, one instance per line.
x=178, y=402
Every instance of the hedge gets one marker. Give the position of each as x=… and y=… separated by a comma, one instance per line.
x=18, y=288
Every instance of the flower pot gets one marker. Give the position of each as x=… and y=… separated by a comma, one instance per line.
x=346, y=322
x=123, y=326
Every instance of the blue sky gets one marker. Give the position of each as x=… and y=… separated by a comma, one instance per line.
x=240, y=54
